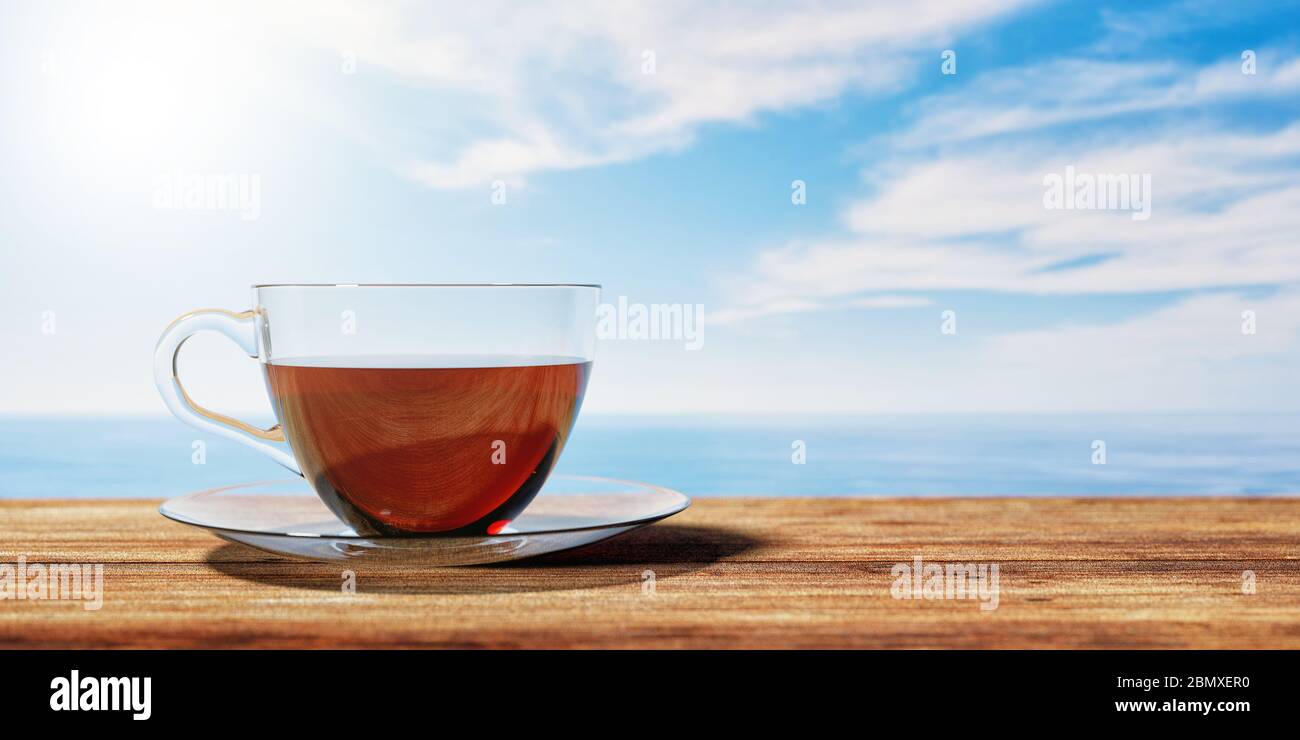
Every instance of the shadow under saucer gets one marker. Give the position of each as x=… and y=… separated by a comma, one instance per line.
x=669, y=549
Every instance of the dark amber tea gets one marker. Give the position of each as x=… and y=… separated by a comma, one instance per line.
x=421, y=445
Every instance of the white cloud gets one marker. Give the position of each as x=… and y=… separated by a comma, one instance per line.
x=959, y=206
x=890, y=301
x=770, y=308
x=561, y=85
x=1225, y=209
x=1079, y=90
x=1192, y=355
x=797, y=305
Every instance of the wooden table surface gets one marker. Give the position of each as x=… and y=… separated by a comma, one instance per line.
x=1103, y=573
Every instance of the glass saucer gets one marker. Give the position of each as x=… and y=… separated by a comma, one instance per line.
x=285, y=517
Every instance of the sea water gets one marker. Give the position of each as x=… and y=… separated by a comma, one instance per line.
x=876, y=455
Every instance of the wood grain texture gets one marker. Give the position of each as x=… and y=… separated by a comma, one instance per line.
x=1097, y=573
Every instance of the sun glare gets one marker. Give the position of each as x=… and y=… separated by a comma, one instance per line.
x=155, y=89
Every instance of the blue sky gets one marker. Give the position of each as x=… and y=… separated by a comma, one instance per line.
x=378, y=134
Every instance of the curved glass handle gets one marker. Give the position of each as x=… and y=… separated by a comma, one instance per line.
x=241, y=328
